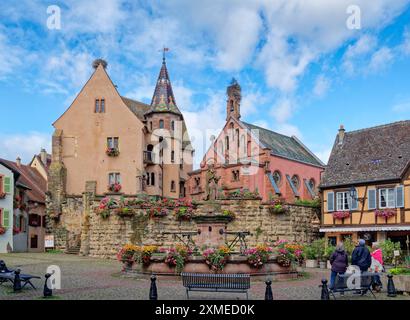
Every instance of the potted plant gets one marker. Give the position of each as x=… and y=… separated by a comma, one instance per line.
x=216, y=258
x=112, y=152
x=114, y=187
x=310, y=257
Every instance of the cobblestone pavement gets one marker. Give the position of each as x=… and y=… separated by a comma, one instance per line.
x=88, y=278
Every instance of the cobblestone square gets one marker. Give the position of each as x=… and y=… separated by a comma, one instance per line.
x=84, y=278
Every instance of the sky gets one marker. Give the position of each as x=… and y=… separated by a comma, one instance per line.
x=305, y=67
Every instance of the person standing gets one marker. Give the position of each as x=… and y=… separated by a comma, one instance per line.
x=377, y=266
x=339, y=262
x=361, y=256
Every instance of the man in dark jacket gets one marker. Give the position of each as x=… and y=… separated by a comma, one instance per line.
x=339, y=262
x=361, y=256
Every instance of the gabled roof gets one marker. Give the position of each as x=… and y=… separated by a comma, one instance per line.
x=29, y=178
x=284, y=146
x=163, y=99
x=379, y=153
x=137, y=108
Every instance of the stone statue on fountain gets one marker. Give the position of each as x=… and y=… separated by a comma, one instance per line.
x=211, y=187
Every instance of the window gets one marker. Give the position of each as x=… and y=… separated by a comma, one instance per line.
x=112, y=143
x=114, y=177
x=172, y=156
x=277, y=177
x=235, y=175
x=312, y=184
x=197, y=182
x=152, y=178
x=295, y=181
x=232, y=107
x=172, y=186
x=99, y=106
x=237, y=137
x=227, y=142
x=172, y=125
x=150, y=125
x=387, y=198
x=161, y=124
x=342, y=201
x=148, y=180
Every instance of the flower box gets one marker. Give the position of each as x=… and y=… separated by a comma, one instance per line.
x=112, y=152
x=114, y=187
x=341, y=214
x=311, y=263
x=386, y=213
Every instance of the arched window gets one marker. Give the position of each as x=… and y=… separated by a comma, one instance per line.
x=152, y=178
x=227, y=143
x=172, y=125
x=312, y=183
x=161, y=124
x=277, y=177
x=243, y=144
x=232, y=107
x=172, y=186
x=148, y=180
x=295, y=181
x=221, y=147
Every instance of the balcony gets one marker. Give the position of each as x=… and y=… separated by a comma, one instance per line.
x=149, y=157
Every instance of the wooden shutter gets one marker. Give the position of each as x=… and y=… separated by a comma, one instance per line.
x=7, y=184
x=400, y=196
x=353, y=201
x=6, y=218
x=330, y=201
x=371, y=195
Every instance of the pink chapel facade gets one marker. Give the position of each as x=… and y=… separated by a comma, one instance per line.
x=246, y=156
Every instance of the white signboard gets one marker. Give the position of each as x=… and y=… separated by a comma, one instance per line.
x=49, y=241
x=396, y=253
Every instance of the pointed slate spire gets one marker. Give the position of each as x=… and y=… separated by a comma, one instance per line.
x=163, y=99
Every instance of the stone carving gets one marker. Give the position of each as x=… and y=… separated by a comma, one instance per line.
x=211, y=186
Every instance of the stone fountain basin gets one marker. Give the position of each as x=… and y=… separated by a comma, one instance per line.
x=196, y=264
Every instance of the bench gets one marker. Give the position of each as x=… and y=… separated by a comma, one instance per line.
x=216, y=282
x=366, y=281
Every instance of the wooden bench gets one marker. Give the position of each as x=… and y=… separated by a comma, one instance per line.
x=366, y=281
x=216, y=282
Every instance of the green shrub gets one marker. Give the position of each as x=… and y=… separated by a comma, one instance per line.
x=315, y=203
x=388, y=247
x=400, y=271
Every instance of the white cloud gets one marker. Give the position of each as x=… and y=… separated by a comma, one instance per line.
x=10, y=56
x=321, y=86
x=283, y=110
x=405, y=46
x=402, y=107
x=288, y=130
x=24, y=146
x=323, y=154
x=380, y=59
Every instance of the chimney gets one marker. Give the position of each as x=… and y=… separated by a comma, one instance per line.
x=341, y=134
x=18, y=161
x=43, y=156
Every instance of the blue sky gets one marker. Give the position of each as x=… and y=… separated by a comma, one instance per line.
x=302, y=70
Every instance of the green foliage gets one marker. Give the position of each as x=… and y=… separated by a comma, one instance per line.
x=309, y=253
x=328, y=251
x=315, y=203
x=388, y=247
x=400, y=271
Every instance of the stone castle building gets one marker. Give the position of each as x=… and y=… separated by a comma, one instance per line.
x=107, y=144
x=245, y=156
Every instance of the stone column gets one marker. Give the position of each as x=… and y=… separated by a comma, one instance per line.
x=88, y=197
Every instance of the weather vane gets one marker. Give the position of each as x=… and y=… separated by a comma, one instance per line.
x=164, y=49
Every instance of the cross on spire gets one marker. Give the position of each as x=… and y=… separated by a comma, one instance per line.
x=164, y=49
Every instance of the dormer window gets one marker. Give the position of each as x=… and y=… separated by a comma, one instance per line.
x=99, y=106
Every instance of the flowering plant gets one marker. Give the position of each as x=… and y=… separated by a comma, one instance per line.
x=112, y=152
x=105, y=205
x=386, y=213
x=184, y=213
x=2, y=230
x=2, y=195
x=127, y=253
x=228, y=213
x=177, y=256
x=216, y=258
x=114, y=187
x=288, y=252
x=277, y=205
x=144, y=253
x=341, y=214
x=258, y=256
x=157, y=212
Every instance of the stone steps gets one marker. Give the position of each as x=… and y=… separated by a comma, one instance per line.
x=73, y=250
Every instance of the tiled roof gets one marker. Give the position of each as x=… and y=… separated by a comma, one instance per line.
x=138, y=108
x=30, y=178
x=163, y=99
x=284, y=146
x=373, y=154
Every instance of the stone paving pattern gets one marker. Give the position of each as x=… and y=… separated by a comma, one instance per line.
x=85, y=278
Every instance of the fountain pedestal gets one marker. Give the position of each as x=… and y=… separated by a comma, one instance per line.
x=211, y=230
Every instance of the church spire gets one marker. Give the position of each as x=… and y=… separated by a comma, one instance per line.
x=233, y=103
x=163, y=99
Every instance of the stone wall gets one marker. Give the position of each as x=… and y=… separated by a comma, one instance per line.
x=105, y=236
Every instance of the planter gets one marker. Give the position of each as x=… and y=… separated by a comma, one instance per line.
x=322, y=264
x=311, y=263
x=402, y=282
